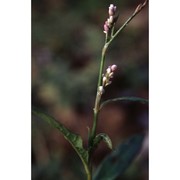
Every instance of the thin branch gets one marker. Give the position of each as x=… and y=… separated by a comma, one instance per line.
x=137, y=11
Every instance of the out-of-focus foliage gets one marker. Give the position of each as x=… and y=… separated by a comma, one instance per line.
x=67, y=37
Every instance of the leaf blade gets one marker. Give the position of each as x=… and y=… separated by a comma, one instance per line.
x=74, y=139
x=118, y=161
x=131, y=99
x=103, y=137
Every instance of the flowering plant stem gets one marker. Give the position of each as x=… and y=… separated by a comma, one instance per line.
x=108, y=40
x=98, y=96
x=94, y=139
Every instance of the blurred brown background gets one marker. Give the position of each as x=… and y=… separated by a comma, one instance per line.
x=67, y=38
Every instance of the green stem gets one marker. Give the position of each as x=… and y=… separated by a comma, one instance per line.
x=102, y=63
x=89, y=176
x=98, y=95
x=97, y=102
x=94, y=125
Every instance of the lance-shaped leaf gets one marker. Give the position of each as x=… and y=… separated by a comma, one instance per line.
x=118, y=161
x=74, y=139
x=130, y=99
x=102, y=137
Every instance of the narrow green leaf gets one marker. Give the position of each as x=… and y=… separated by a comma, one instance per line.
x=105, y=138
x=74, y=139
x=118, y=161
x=131, y=99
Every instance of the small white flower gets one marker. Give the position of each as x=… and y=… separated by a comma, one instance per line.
x=110, y=20
x=104, y=80
x=111, y=75
x=108, y=70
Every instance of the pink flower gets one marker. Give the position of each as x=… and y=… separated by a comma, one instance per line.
x=113, y=67
x=112, y=10
x=106, y=27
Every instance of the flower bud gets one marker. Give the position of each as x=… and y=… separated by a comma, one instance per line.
x=111, y=75
x=113, y=67
x=109, y=82
x=112, y=10
x=101, y=90
x=106, y=27
x=104, y=80
x=110, y=20
x=108, y=70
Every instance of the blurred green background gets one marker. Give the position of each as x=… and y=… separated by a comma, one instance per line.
x=67, y=38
